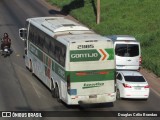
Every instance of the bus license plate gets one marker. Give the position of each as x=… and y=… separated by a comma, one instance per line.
x=93, y=96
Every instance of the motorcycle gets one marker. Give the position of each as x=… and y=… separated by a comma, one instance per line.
x=6, y=51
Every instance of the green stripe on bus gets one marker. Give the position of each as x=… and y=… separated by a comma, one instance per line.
x=111, y=53
x=90, y=55
x=95, y=75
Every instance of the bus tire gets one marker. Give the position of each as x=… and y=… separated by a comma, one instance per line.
x=53, y=90
x=57, y=94
x=30, y=66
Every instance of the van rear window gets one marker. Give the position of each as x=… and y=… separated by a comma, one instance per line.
x=127, y=50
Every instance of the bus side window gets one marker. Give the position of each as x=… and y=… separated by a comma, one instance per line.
x=40, y=41
x=52, y=49
x=62, y=56
x=35, y=38
x=46, y=45
x=31, y=34
x=32, y=37
x=57, y=53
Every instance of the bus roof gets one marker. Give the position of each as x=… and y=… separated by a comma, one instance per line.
x=65, y=30
x=57, y=24
x=88, y=37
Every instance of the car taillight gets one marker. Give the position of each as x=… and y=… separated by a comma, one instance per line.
x=147, y=86
x=140, y=60
x=126, y=85
x=68, y=84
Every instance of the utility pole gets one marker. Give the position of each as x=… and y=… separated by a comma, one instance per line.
x=98, y=11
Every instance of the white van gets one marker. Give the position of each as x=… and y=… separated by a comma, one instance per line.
x=127, y=52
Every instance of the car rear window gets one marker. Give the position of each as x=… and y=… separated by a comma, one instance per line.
x=134, y=79
x=127, y=50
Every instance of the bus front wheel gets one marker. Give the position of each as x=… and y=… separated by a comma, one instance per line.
x=57, y=94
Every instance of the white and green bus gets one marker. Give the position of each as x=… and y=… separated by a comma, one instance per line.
x=76, y=64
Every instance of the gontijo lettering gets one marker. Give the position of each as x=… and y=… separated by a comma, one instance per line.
x=86, y=55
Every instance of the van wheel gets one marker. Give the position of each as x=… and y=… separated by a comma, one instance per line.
x=57, y=94
x=118, y=95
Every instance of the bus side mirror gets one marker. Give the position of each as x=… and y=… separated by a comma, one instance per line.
x=23, y=33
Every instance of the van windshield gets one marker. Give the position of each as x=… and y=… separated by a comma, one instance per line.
x=127, y=50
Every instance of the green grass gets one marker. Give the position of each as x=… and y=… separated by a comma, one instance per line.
x=140, y=18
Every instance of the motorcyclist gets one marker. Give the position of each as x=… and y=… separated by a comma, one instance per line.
x=6, y=41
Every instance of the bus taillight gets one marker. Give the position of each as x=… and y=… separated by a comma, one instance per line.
x=103, y=72
x=81, y=73
x=91, y=73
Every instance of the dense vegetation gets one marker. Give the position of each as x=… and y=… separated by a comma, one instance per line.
x=139, y=18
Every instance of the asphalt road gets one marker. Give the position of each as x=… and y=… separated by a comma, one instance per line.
x=20, y=91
